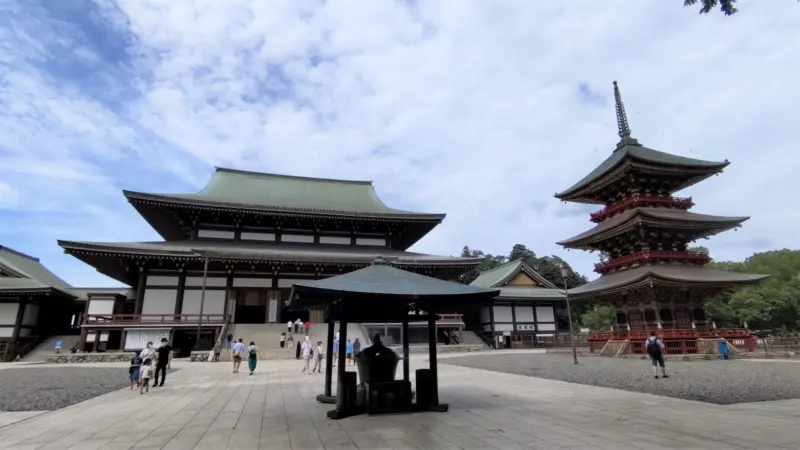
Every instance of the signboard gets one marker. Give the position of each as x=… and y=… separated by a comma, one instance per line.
x=526, y=327
x=506, y=333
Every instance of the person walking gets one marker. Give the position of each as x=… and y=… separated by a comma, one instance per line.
x=164, y=359
x=229, y=337
x=655, y=347
x=348, y=349
x=148, y=352
x=307, y=326
x=145, y=372
x=308, y=351
x=289, y=326
x=283, y=340
x=298, y=350
x=252, y=356
x=133, y=371
x=236, y=353
x=356, y=347
x=298, y=326
x=290, y=340
x=319, y=355
x=335, y=355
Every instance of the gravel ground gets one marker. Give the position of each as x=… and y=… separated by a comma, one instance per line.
x=49, y=388
x=720, y=382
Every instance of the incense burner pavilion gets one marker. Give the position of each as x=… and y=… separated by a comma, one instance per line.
x=232, y=252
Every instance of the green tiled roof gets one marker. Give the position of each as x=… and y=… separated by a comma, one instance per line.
x=502, y=274
x=230, y=188
x=641, y=153
x=26, y=266
x=681, y=275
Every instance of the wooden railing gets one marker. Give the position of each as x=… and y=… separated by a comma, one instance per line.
x=450, y=318
x=651, y=255
x=149, y=319
x=638, y=201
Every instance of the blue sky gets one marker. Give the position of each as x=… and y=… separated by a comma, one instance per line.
x=478, y=109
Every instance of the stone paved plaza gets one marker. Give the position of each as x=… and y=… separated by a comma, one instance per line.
x=205, y=406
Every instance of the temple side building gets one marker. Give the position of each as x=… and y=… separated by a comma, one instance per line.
x=651, y=276
x=525, y=310
x=232, y=251
x=34, y=303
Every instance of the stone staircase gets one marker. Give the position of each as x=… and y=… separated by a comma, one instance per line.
x=616, y=347
x=267, y=338
x=47, y=348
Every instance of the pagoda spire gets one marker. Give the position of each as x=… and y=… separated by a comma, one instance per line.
x=624, y=130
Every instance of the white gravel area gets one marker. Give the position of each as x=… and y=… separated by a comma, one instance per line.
x=43, y=388
x=720, y=382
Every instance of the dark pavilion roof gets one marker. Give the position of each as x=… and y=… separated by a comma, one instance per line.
x=272, y=193
x=500, y=276
x=28, y=276
x=380, y=282
x=682, y=276
x=675, y=219
x=629, y=150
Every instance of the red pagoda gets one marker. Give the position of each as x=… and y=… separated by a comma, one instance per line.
x=650, y=275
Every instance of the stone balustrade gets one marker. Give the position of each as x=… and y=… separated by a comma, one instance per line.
x=423, y=349
x=80, y=358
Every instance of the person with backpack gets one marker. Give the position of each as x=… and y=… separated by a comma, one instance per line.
x=252, y=356
x=655, y=347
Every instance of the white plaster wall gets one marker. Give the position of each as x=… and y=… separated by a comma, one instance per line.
x=340, y=240
x=101, y=306
x=214, y=302
x=210, y=281
x=216, y=234
x=545, y=314
x=252, y=282
x=374, y=242
x=524, y=313
x=8, y=313
x=159, y=301
x=251, y=236
x=503, y=327
x=297, y=238
x=503, y=314
x=159, y=280
x=546, y=326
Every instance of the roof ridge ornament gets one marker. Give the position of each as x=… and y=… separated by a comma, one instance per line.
x=623, y=129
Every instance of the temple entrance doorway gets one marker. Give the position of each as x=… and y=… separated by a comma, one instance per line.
x=252, y=305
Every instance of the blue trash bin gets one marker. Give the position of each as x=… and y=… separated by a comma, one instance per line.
x=722, y=347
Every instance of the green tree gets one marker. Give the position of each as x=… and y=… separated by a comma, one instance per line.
x=726, y=6
x=773, y=304
x=599, y=319
x=489, y=262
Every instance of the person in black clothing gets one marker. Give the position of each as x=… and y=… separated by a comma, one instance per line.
x=164, y=358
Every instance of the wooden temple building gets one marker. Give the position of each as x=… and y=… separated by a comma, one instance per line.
x=524, y=311
x=232, y=252
x=651, y=276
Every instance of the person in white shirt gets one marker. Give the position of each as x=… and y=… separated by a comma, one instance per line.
x=289, y=326
x=306, y=351
x=319, y=356
x=236, y=355
x=148, y=352
x=145, y=373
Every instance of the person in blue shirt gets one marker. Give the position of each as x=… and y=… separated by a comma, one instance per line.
x=349, y=352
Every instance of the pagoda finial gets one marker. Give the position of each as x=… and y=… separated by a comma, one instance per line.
x=623, y=128
x=622, y=118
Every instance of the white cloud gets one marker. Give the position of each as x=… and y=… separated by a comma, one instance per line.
x=478, y=109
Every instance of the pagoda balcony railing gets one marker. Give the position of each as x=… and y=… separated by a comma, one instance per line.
x=636, y=201
x=154, y=319
x=651, y=256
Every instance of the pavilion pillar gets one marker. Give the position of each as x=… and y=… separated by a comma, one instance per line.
x=140, y=287
x=229, y=294
x=326, y=396
x=82, y=340
x=491, y=319
x=433, y=365
x=406, y=352
x=18, y=325
x=341, y=401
